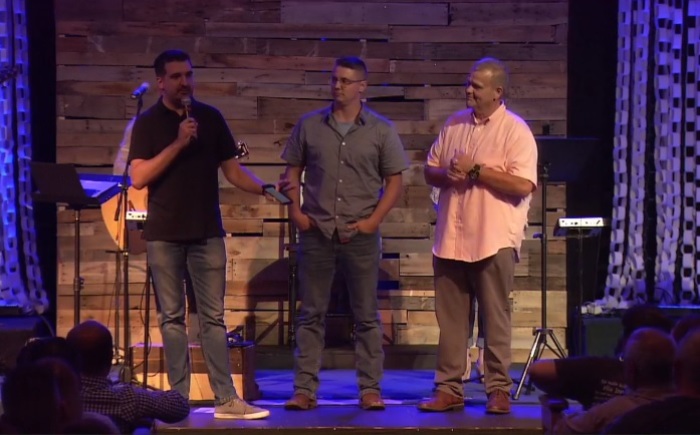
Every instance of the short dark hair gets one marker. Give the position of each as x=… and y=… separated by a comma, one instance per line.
x=169, y=56
x=92, y=342
x=353, y=63
x=645, y=316
x=684, y=325
x=48, y=347
x=642, y=316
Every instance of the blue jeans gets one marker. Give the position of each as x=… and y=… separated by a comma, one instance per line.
x=359, y=260
x=206, y=262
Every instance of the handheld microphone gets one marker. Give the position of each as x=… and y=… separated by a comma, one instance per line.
x=187, y=104
x=138, y=93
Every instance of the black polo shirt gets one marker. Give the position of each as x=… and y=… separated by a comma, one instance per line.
x=183, y=203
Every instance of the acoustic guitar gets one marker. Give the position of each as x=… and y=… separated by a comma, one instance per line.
x=137, y=200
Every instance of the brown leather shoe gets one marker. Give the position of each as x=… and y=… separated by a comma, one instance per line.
x=300, y=402
x=372, y=402
x=442, y=402
x=498, y=403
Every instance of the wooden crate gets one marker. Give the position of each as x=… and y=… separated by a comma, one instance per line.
x=241, y=360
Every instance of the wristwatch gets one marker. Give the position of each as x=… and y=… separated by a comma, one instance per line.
x=474, y=172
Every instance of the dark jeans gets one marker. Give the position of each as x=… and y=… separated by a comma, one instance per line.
x=206, y=262
x=359, y=259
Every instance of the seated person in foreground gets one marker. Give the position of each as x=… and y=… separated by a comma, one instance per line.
x=684, y=325
x=40, y=397
x=648, y=368
x=591, y=380
x=47, y=347
x=127, y=405
x=679, y=414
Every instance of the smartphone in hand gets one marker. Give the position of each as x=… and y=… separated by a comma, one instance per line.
x=279, y=196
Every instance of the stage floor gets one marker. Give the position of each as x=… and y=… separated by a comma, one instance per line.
x=338, y=410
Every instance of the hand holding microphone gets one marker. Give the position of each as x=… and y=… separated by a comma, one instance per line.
x=188, y=127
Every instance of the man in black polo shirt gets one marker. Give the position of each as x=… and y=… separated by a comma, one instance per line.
x=353, y=159
x=178, y=146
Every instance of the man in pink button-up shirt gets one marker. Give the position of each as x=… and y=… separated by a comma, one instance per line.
x=485, y=164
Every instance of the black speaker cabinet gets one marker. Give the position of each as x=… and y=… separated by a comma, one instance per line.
x=600, y=335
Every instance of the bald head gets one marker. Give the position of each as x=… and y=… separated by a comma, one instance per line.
x=687, y=365
x=93, y=343
x=495, y=69
x=649, y=355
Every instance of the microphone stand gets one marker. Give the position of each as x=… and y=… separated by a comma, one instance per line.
x=122, y=208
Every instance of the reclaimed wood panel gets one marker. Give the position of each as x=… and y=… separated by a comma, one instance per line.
x=290, y=108
x=542, y=109
x=509, y=13
x=263, y=64
x=304, y=63
x=79, y=10
x=482, y=33
x=117, y=88
x=301, y=31
x=109, y=27
x=258, y=11
x=463, y=66
x=426, y=14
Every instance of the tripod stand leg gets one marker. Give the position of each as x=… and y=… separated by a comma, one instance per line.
x=535, y=350
x=559, y=351
x=540, y=352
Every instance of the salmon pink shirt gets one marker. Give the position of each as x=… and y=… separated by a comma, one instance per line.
x=475, y=221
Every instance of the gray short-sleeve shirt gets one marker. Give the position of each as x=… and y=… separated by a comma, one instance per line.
x=344, y=174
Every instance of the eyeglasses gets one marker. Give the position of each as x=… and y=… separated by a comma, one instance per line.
x=343, y=81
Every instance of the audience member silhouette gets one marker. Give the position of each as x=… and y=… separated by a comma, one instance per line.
x=591, y=380
x=648, y=371
x=127, y=405
x=40, y=397
x=679, y=414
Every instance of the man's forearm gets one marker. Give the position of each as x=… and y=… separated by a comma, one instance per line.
x=436, y=176
x=147, y=171
x=506, y=183
x=392, y=193
x=293, y=175
x=244, y=179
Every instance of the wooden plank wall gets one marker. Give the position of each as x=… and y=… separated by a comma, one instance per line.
x=265, y=62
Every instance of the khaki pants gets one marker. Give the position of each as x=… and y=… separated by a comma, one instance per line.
x=456, y=284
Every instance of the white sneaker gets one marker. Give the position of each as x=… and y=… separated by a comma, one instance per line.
x=240, y=410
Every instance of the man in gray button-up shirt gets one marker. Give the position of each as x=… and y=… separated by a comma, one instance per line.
x=353, y=159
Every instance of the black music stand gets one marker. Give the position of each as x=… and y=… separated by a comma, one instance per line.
x=59, y=183
x=559, y=160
